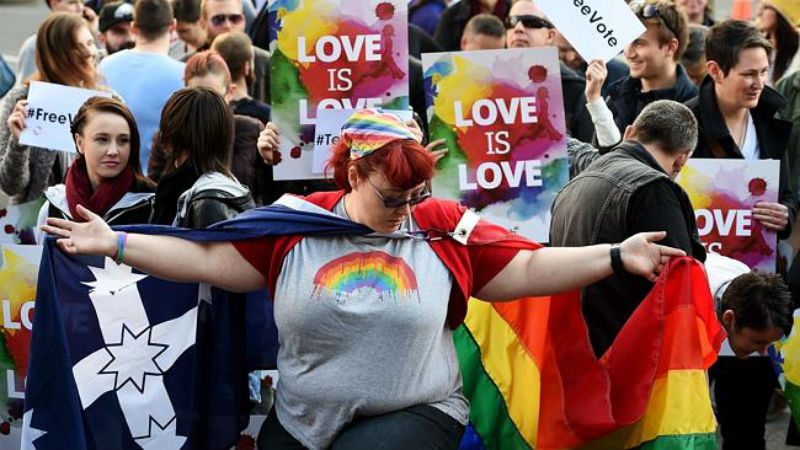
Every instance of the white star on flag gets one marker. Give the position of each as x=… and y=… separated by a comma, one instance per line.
x=29, y=434
x=133, y=358
x=113, y=278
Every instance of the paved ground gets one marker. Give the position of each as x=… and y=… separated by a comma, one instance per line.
x=19, y=19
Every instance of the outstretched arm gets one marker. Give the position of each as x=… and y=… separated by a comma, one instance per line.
x=554, y=270
x=216, y=263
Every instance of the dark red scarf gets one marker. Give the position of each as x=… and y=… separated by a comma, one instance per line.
x=79, y=190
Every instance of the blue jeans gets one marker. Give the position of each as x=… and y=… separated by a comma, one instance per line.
x=419, y=427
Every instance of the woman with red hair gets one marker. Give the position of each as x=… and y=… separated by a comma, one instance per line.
x=365, y=322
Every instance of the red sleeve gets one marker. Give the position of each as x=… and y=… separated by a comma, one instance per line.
x=487, y=261
x=256, y=252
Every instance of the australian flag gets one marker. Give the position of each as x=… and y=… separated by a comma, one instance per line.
x=123, y=360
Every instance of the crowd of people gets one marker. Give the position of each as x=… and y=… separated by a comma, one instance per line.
x=186, y=139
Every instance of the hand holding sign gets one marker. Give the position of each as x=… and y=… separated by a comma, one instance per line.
x=774, y=216
x=596, y=74
x=16, y=121
x=49, y=113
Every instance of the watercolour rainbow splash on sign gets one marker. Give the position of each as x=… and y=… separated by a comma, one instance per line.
x=332, y=54
x=723, y=193
x=502, y=116
x=389, y=276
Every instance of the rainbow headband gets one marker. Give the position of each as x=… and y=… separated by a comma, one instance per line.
x=368, y=130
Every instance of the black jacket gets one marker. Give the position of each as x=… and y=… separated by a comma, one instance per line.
x=579, y=121
x=616, y=196
x=773, y=137
x=454, y=19
x=626, y=100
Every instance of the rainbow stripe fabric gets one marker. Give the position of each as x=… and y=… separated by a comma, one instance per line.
x=388, y=275
x=368, y=130
x=534, y=382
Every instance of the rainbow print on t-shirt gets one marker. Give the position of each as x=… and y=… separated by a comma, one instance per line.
x=388, y=276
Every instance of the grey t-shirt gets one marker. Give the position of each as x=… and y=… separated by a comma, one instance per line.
x=361, y=324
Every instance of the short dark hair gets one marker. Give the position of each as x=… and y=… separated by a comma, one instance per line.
x=152, y=18
x=197, y=121
x=669, y=125
x=696, y=49
x=759, y=300
x=486, y=24
x=726, y=40
x=187, y=11
x=236, y=49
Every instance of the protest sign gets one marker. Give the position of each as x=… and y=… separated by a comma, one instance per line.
x=18, y=221
x=329, y=124
x=51, y=108
x=723, y=193
x=597, y=29
x=502, y=115
x=19, y=266
x=332, y=54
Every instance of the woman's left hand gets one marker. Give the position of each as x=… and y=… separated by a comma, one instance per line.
x=773, y=216
x=437, y=148
x=642, y=256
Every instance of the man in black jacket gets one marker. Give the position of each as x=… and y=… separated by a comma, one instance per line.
x=624, y=192
x=527, y=26
x=655, y=73
x=736, y=115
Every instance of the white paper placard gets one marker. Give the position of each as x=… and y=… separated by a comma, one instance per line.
x=326, y=133
x=597, y=29
x=51, y=108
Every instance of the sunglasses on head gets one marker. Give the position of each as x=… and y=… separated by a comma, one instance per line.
x=394, y=202
x=528, y=21
x=650, y=11
x=220, y=19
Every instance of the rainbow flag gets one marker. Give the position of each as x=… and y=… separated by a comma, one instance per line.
x=534, y=382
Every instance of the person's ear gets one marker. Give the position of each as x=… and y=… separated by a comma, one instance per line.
x=672, y=47
x=729, y=320
x=715, y=71
x=248, y=68
x=173, y=26
x=352, y=176
x=551, y=36
x=78, y=143
x=629, y=132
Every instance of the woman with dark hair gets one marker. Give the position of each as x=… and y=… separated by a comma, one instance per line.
x=106, y=177
x=65, y=54
x=784, y=38
x=198, y=188
x=365, y=323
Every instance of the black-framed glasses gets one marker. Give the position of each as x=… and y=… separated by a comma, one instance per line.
x=651, y=11
x=219, y=19
x=528, y=21
x=394, y=202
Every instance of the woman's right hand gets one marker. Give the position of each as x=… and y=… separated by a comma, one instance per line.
x=17, y=118
x=268, y=142
x=93, y=237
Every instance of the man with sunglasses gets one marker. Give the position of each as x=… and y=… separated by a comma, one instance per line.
x=655, y=72
x=145, y=76
x=223, y=16
x=526, y=26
